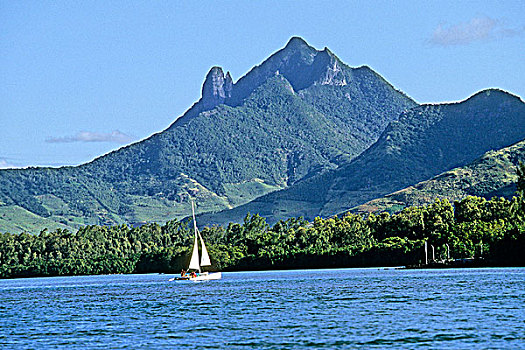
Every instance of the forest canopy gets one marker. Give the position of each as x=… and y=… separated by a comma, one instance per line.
x=493, y=230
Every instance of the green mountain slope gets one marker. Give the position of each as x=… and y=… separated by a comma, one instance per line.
x=426, y=141
x=300, y=112
x=494, y=174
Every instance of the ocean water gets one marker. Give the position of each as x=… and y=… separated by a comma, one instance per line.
x=322, y=309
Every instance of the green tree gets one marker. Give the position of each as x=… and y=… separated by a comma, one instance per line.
x=521, y=177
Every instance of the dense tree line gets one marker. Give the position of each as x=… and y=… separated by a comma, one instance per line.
x=474, y=227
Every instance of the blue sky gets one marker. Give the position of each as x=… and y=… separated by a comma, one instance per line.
x=82, y=78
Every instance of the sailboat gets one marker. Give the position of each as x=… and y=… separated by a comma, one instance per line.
x=196, y=264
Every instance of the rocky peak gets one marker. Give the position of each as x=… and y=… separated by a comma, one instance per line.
x=331, y=69
x=217, y=87
x=296, y=43
x=296, y=53
x=298, y=63
x=301, y=65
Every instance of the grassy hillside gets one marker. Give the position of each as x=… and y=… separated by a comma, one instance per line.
x=494, y=174
x=300, y=112
x=424, y=142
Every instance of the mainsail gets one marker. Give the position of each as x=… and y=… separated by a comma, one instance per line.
x=194, y=262
x=205, y=258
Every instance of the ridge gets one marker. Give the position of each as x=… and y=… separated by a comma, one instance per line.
x=301, y=64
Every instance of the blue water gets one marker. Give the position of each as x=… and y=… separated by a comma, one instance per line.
x=324, y=309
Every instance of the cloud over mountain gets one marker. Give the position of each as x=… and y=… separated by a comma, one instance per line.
x=115, y=136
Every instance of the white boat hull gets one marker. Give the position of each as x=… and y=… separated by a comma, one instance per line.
x=205, y=276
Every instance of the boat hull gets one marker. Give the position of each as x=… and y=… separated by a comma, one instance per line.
x=205, y=276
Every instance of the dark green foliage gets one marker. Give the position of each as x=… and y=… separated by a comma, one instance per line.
x=95, y=250
x=492, y=175
x=288, y=119
x=492, y=229
x=426, y=141
x=521, y=177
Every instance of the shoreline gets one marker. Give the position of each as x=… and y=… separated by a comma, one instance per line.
x=454, y=264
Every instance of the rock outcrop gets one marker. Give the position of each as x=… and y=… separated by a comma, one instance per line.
x=217, y=88
x=299, y=63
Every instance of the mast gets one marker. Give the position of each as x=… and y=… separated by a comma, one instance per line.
x=205, y=258
x=194, y=222
x=194, y=262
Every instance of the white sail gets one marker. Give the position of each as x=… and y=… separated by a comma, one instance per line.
x=205, y=258
x=194, y=262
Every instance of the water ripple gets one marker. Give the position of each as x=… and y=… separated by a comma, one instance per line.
x=322, y=309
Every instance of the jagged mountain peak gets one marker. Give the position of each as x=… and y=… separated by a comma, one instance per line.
x=217, y=87
x=301, y=65
x=296, y=40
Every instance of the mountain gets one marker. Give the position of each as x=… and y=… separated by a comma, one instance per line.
x=494, y=174
x=301, y=112
x=424, y=142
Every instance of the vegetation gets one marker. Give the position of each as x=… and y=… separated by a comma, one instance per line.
x=493, y=174
x=474, y=227
x=302, y=135
x=426, y=141
x=279, y=129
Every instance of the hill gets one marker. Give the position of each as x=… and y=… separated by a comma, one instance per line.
x=494, y=174
x=301, y=112
x=424, y=142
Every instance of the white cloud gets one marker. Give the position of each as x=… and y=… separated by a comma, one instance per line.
x=477, y=29
x=115, y=136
